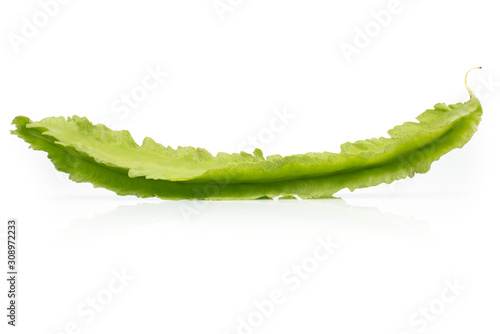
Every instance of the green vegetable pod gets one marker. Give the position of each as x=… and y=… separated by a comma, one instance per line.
x=113, y=160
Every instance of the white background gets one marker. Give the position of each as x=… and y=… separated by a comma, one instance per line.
x=199, y=267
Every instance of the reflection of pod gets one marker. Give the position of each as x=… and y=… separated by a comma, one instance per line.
x=111, y=159
x=323, y=217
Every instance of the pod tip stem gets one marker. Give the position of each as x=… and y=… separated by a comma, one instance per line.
x=466, y=75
